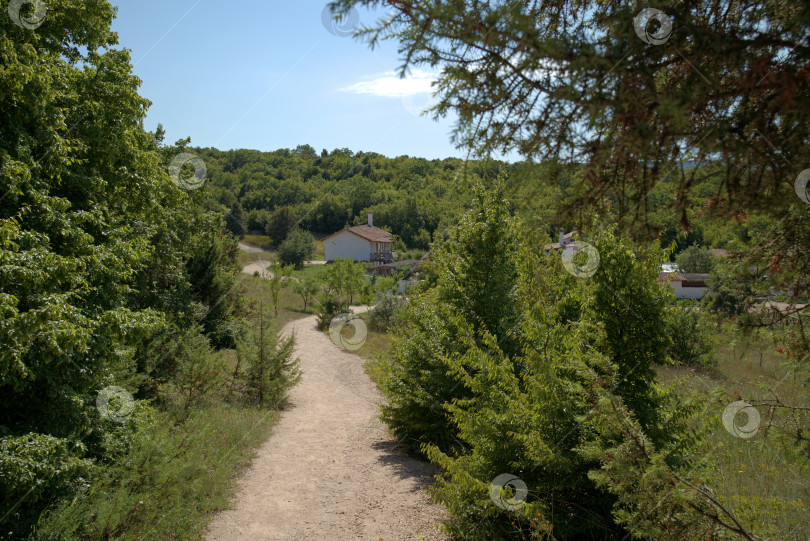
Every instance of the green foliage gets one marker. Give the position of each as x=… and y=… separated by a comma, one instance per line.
x=236, y=222
x=691, y=334
x=198, y=373
x=279, y=276
x=342, y=279
x=104, y=260
x=629, y=304
x=652, y=110
x=168, y=483
x=298, y=247
x=211, y=270
x=412, y=197
x=281, y=222
x=476, y=275
x=385, y=310
x=272, y=368
x=307, y=287
x=528, y=401
x=375, y=286
x=328, y=308
x=695, y=259
x=36, y=467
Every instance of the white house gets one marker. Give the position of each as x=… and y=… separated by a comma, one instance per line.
x=360, y=243
x=686, y=285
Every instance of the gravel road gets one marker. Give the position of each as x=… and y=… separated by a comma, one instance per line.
x=330, y=470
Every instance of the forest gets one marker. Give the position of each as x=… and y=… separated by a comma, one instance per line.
x=141, y=367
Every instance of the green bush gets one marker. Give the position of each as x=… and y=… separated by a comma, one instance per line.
x=299, y=246
x=474, y=294
x=690, y=332
x=385, y=310
x=514, y=365
x=329, y=307
x=695, y=259
x=172, y=478
x=34, y=469
x=272, y=368
x=198, y=373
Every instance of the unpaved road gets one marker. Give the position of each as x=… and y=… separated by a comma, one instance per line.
x=260, y=265
x=330, y=470
x=257, y=266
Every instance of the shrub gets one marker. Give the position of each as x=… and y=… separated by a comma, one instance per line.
x=280, y=224
x=307, y=287
x=385, y=310
x=688, y=329
x=271, y=367
x=492, y=376
x=34, y=469
x=330, y=307
x=299, y=246
x=695, y=259
x=198, y=373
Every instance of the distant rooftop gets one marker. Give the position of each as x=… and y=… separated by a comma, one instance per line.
x=368, y=232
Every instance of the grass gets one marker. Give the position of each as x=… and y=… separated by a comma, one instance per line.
x=376, y=346
x=763, y=479
x=169, y=484
x=290, y=305
x=258, y=241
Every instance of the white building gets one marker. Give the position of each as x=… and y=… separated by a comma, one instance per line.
x=360, y=243
x=565, y=240
x=686, y=285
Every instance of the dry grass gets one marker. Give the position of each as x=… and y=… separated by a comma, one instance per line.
x=764, y=479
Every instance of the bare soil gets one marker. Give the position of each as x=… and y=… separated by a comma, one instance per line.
x=331, y=470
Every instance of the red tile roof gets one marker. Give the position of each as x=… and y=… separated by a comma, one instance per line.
x=368, y=232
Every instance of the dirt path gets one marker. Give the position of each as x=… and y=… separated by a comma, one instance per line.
x=257, y=266
x=260, y=264
x=330, y=470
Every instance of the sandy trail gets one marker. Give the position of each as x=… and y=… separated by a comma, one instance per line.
x=260, y=265
x=330, y=470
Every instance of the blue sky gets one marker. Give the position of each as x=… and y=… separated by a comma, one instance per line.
x=268, y=74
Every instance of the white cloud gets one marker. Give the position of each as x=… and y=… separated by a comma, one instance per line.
x=390, y=85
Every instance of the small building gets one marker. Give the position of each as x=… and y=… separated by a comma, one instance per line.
x=565, y=240
x=360, y=243
x=686, y=285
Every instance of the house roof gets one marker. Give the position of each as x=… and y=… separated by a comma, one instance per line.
x=718, y=252
x=368, y=232
x=683, y=277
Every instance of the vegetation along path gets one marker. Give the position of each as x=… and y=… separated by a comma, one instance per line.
x=330, y=470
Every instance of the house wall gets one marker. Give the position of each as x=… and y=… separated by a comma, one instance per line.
x=347, y=245
x=687, y=292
